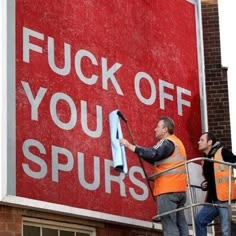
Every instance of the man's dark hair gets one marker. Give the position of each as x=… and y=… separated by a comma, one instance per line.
x=211, y=136
x=168, y=123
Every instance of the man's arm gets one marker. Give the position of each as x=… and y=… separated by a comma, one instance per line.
x=228, y=156
x=161, y=151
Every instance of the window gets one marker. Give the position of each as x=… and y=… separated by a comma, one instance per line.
x=38, y=227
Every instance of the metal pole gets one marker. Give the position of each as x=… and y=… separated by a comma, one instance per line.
x=141, y=162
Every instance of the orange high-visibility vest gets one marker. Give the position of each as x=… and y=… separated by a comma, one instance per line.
x=222, y=179
x=174, y=180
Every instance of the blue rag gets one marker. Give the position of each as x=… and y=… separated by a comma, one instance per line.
x=118, y=151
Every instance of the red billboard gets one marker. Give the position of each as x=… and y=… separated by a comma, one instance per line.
x=77, y=61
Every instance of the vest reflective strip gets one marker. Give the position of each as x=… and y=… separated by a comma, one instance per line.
x=170, y=160
x=174, y=171
x=221, y=167
x=222, y=180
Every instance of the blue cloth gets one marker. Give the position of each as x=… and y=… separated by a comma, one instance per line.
x=118, y=151
x=207, y=214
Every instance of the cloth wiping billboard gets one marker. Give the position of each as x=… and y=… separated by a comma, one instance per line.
x=76, y=61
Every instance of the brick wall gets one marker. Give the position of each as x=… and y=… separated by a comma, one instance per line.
x=216, y=76
x=11, y=219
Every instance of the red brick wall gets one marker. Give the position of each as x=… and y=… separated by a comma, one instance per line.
x=11, y=219
x=216, y=76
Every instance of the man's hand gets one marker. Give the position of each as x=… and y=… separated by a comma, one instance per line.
x=204, y=185
x=124, y=142
x=127, y=144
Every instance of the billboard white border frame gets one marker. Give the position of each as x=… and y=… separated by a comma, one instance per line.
x=7, y=123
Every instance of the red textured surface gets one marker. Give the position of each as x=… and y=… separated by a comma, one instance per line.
x=156, y=37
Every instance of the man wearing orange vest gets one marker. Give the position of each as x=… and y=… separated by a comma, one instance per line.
x=170, y=186
x=216, y=184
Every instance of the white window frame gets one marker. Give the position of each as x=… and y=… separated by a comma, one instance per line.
x=41, y=223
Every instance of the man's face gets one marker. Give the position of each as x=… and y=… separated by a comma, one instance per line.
x=203, y=144
x=160, y=130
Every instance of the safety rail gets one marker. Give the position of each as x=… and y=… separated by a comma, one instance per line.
x=191, y=204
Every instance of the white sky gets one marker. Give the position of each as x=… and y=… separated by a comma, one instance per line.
x=227, y=14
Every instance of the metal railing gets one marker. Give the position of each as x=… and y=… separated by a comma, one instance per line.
x=192, y=206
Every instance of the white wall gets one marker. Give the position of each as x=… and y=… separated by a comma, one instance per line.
x=227, y=17
x=198, y=196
